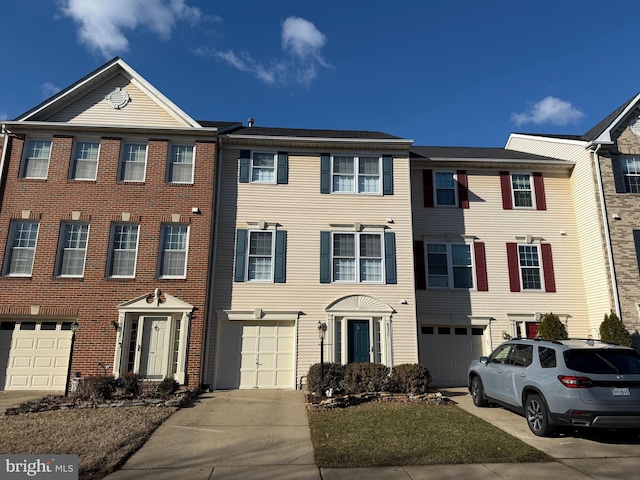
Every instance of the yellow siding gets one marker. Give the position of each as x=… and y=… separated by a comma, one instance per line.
x=585, y=197
x=300, y=209
x=489, y=223
x=93, y=109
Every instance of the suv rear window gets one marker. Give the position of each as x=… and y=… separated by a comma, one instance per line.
x=603, y=361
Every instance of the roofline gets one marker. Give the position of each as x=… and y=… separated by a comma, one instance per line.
x=117, y=61
x=547, y=139
x=62, y=126
x=275, y=138
x=605, y=137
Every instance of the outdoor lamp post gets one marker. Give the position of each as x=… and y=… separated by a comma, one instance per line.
x=322, y=329
x=74, y=328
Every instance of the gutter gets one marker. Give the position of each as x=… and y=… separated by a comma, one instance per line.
x=4, y=132
x=607, y=233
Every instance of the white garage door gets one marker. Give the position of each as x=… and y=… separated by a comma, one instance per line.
x=447, y=351
x=256, y=355
x=36, y=355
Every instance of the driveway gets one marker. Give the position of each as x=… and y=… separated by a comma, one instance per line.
x=13, y=398
x=583, y=451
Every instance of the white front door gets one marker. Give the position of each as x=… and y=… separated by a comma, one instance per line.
x=155, y=347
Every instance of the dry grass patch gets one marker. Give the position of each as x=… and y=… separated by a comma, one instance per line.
x=102, y=437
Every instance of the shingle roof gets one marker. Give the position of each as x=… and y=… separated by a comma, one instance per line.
x=218, y=125
x=478, y=153
x=312, y=133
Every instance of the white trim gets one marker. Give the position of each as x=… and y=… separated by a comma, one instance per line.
x=161, y=249
x=358, y=257
x=540, y=267
x=170, y=163
x=112, y=239
x=546, y=139
x=605, y=137
x=272, y=254
x=257, y=315
x=450, y=278
x=275, y=166
x=73, y=164
x=121, y=164
x=356, y=173
x=61, y=248
x=456, y=200
x=534, y=205
x=25, y=155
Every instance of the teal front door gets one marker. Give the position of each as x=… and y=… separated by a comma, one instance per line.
x=359, y=344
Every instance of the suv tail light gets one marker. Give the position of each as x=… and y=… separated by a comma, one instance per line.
x=575, y=382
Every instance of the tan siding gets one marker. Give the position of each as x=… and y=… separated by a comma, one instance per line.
x=301, y=210
x=489, y=223
x=93, y=109
x=591, y=240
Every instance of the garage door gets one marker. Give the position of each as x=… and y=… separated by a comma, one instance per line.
x=256, y=355
x=447, y=352
x=36, y=355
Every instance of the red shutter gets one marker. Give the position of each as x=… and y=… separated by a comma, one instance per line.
x=505, y=185
x=547, y=267
x=427, y=186
x=514, y=267
x=538, y=185
x=463, y=188
x=482, y=284
x=419, y=265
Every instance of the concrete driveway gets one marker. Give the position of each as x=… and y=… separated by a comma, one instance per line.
x=13, y=398
x=584, y=450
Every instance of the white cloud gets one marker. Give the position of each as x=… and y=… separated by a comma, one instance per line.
x=550, y=110
x=102, y=23
x=301, y=45
x=48, y=89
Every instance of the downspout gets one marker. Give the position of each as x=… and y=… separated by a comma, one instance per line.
x=214, y=256
x=607, y=233
x=4, y=132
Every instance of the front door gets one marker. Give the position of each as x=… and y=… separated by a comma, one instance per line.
x=359, y=341
x=155, y=339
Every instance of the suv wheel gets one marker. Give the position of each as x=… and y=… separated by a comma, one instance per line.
x=477, y=392
x=538, y=416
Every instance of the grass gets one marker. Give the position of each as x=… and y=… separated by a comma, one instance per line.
x=385, y=434
x=102, y=437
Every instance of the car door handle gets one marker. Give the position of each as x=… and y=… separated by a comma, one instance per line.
x=523, y=375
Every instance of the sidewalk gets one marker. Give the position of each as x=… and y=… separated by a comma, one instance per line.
x=264, y=434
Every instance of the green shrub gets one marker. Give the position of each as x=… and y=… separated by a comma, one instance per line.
x=366, y=377
x=168, y=386
x=99, y=387
x=552, y=328
x=412, y=378
x=612, y=329
x=333, y=378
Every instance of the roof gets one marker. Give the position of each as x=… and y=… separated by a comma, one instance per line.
x=474, y=153
x=312, y=133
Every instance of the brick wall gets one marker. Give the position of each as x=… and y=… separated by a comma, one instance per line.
x=93, y=299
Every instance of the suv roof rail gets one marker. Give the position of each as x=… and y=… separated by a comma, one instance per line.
x=539, y=339
x=594, y=340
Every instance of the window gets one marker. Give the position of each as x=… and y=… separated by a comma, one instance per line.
x=547, y=357
x=631, y=172
x=173, y=256
x=73, y=249
x=445, y=187
x=181, y=164
x=521, y=355
x=36, y=163
x=357, y=257
x=449, y=265
x=522, y=191
x=353, y=174
x=263, y=167
x=22, y=248
x=260, y=256
x=124, y=250
x=530, y=267
x=85, y=161
x=133, y=163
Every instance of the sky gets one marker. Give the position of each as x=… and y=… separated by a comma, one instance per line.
x=463, y=73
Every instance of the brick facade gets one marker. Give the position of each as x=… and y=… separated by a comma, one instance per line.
x=93, y=299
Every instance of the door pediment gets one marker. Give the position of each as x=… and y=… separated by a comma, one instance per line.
x=360, y=304
x=151, y=302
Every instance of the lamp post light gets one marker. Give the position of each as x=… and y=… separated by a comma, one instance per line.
x=74, y=328
x=322, y=329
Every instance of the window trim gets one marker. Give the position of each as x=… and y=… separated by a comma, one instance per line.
x=171, y=163
x=532, y=191
x=162, y=251
x=456, y=198
x=274, y=154
x=26, y=157
x=356, y=174
x=112, y=250
x=540, y=267
x=272, y=256
x=121, y=169
x=627, y=176
x=449, y=254
x=74, y=160
x=10, y=248
x=62, y=249
x=358, y=257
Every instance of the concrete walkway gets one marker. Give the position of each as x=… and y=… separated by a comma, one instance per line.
x=13, y=398
x=264, y=434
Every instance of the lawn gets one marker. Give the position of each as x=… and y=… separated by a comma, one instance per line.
x=379, y=434
x=102, y=437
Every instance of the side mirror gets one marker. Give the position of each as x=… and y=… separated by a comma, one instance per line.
x=484, y=360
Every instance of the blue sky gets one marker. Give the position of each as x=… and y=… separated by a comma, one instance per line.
x=440, y=73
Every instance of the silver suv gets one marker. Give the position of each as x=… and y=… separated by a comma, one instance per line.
x=576, y=383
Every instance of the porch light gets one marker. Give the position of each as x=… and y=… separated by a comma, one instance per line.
x=322, y=329
x=74, y=328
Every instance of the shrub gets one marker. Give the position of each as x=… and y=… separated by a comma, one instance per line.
x=168, y=386
x=99, y=387
x=366, y=377
x=333, y=378
x=129, y=384
x=552, y=328
x=411, y=378
x=612, y=329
